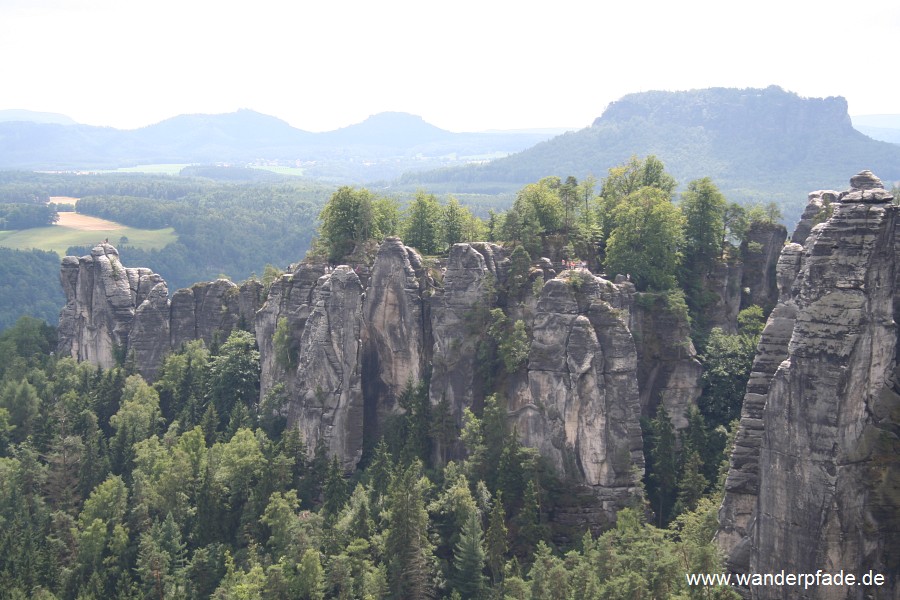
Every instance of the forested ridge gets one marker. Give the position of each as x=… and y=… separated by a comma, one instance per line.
x=193, y=487
x=758, y=144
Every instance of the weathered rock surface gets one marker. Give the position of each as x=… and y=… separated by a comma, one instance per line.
x=814, y=475
x=209, y=311
x=760, y=251
x=358, y=346
x=668, y=370
x=328, y=403
x=291, y=299
x=102, y=297
x=114, y=313
x=395, y=348
x=818, y=209
x=725, y=282
x=469, y=287
x=579, y=403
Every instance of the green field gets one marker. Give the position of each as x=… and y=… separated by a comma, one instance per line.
x=58, y=239
x=293, y=171
x=160, y=169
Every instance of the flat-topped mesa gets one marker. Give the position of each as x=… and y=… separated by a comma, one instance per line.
x=114, y=313
x=815, y=470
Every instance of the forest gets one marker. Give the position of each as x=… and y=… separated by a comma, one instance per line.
x=192, y=487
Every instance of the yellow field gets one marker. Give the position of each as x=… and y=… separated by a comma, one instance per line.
x=81, y=230
x=63, y=200
x=78, y=222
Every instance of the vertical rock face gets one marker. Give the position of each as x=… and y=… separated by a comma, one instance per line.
x=814, y=475
x=725, y=282
x=394, y=344
x=328, y=404
x=207, y=310
x=290, y=299
x=358, y=346
x=102, y=299
x=578, y=403
x=668, y=369
x=469, y=284
x=760, y=252
x=337, y=349
x=114, y=313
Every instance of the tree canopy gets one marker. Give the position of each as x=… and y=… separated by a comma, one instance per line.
x=647, y=240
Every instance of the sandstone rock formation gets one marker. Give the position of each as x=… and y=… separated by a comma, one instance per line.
x=114, y=313
x=328, y=402
x=290, y=299
x=578, y=403
x=102, y=298
x=358, y=346
x=469, y=286
x=760, y=251
x=725, y=282
x=395, y=347
x=338, y=347
x=814, y=473
x=668, y=370
x=818, y=209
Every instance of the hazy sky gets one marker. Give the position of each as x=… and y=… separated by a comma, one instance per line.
x=462, y=65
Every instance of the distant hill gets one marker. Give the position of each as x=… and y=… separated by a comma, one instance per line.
x=879, y=127
x=756, y=144
x=390, y=129
x=34, y=117
x=208, y=138
x=381, y=147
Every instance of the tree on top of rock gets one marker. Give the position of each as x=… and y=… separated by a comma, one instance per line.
x=647, y=240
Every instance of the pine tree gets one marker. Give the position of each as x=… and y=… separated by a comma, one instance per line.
x=692, y=483
x=528, y=520
x=443, y=431
x=64, y=460
x=335, y=489
x=210, y=424
x=311, y=577
x=468, y=560
x=663, y=475
x=496, y=542
x=407, y=545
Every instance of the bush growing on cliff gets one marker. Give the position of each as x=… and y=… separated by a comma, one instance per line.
x=511, y=338
x=285, y=345
x=727, y=360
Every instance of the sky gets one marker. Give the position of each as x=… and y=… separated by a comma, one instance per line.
x=463, y=65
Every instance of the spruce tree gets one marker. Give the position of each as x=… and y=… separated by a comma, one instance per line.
x=496, y=542
x=407, y=545
x=663, y=472
x=335, y=489
x=468, y=560
x=692, y=483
